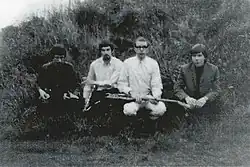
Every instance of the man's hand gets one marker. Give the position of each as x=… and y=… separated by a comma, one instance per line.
x=43, y=94
x=86, y=100
x=201, y=102
x=69, y=95
x=137, y=97
x=191, y=101
x=73, y=96
x=152, y=99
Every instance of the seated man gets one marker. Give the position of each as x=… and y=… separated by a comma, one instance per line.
x=198, y=81
x=56, y=83
x=102, y=78
x=141, y=79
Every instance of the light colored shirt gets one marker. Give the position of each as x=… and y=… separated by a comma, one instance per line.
x=105, y=73
x=141, y=77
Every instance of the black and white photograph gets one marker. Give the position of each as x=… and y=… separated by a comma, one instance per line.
x=124, y=83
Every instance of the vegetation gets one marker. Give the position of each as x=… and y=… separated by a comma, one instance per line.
x=172, y=27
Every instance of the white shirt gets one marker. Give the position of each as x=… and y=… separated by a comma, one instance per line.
x=101, y=72
x=141, y=77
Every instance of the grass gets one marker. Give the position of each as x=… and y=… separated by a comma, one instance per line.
x=222, y=143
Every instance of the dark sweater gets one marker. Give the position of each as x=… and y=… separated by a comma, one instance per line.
x=199, y=72
x=57, y=79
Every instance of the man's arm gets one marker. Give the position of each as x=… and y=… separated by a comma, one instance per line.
x=75, y=83
x=179, y=86
x=215, y=90
x=91, y=76
x=42, y=82
x=73, y=79
x=42, y=78
x=116, y=74
x=156, y=82
x=123, y=80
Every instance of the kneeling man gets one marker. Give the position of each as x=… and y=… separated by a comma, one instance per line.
x=140, y=78
x=198, y=81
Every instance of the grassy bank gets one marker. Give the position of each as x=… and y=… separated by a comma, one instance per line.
x=171, y=26
x=224, y=143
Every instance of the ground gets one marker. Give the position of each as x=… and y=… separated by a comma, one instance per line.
x=224, y=143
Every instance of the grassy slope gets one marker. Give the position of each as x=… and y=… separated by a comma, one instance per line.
x=225, y=143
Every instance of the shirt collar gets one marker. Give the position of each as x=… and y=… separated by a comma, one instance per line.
x=141, y=61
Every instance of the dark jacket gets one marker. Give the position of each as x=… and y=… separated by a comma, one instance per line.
x=58, y=78
x=209, y=82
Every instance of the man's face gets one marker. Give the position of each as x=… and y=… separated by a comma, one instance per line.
x=59, y=58
x=198, y=59
x=141, y=48
x=106, y=53
x=106, y=50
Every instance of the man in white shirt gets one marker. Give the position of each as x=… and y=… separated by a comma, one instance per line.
x=102, y=78
x=140, y=78
x=104, y=71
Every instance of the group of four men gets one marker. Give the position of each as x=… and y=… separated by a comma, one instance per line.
x=138, y=77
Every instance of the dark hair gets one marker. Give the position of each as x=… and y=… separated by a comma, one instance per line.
x=105, y=43
x=57, y=49
x=142, y=39
x=199, y=48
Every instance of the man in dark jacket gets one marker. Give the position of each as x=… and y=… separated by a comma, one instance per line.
x=198, y=81
x=56, y=84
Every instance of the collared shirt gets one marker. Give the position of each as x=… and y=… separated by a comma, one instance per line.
x=141, y=77
x=99, y=71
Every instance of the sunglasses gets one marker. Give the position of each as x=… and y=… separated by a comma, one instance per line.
x=143, y=46
x=103, y=50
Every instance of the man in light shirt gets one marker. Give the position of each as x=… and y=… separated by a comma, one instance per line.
x=140, y=78
x=104, y=71
x=102, y=78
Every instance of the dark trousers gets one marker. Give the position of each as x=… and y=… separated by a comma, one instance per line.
x=208, y=113
x=104, y=114
x=141, y=125
x=60, y=114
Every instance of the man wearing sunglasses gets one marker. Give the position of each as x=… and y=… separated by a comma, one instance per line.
x=198, y=81
x=140, y=78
